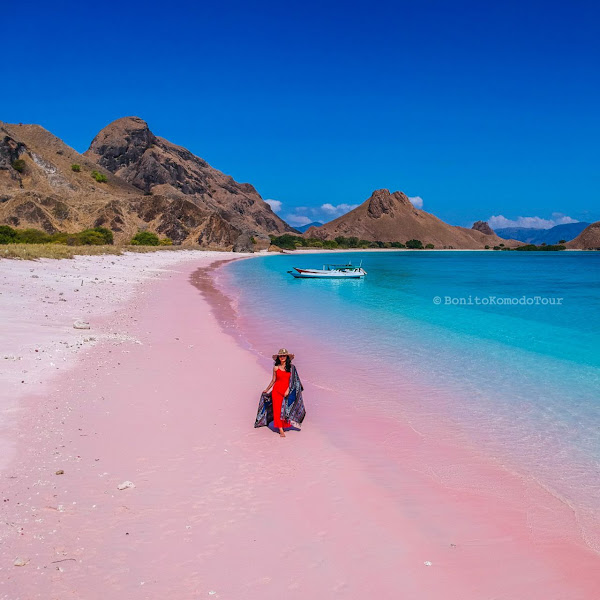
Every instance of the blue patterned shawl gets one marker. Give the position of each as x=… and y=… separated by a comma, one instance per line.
x=292, y=407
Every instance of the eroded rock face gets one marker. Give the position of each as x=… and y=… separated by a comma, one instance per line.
x=483, y=227
x=111, y=216
x=382, y=203
x=32, y=212
x=180, y=219
x=218, y=232
x=10, y=150
x=122, y=144
x=243, y=244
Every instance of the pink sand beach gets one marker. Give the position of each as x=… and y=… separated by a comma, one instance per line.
x=159, y=398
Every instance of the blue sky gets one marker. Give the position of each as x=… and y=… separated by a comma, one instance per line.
x=480, y=109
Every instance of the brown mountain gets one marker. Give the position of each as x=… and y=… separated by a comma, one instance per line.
x=165, y=197
x=131, y=151
x=588, y=239
x=390, y=217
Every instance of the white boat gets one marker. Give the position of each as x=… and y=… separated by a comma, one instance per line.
x=330, y=272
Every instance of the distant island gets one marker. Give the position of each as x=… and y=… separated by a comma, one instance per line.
x=304, y=228
x=555, y=235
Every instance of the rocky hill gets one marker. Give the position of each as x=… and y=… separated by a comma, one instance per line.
x=588, y=239
x=154, y=165
x=149, y=183
x=484, y=227
x=391, y=217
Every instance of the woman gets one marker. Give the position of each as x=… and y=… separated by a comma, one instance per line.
x=284, y=406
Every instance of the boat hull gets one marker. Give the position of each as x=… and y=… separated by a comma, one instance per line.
x=331, y=274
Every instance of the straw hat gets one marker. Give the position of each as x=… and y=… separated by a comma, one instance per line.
x=281, y=352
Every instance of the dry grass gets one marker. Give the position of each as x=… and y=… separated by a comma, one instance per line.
x=35, y=251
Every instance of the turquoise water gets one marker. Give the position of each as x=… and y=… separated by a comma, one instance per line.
x=520, y=381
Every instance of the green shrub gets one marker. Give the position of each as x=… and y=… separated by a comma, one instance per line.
x=18, y=165
x=562, y=241
x=33, y=236
x=89, y=237
x=415, y=244
x=76, y=168
x=430, y=246
x=285, y=241
x=330, y=244
x=106, y=234
x=60, y=238
x=487, y=247
x=8, y=235
x=99, y=177
x=166, y=242
x=397, y=245
x=497, y=248
x=145, y=238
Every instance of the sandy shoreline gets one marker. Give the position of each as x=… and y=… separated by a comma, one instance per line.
x=166, y=400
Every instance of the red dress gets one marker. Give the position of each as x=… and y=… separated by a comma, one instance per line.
x=280, y=387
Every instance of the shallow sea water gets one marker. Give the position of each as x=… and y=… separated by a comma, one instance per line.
x=502, y=347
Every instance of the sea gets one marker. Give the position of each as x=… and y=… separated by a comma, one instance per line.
x=498, y=350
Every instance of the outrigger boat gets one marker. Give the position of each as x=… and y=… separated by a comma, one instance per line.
x=330, y=272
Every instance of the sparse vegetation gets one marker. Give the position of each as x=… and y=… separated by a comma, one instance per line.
x=429, y=246
x=89, y=237
x=76, y=168
x=288, y=241
x=58, y=251
x=18, y=165
x=61, y=211
x=543, y=247
x=99, y=177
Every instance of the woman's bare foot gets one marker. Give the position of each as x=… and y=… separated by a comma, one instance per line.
x=281, y=434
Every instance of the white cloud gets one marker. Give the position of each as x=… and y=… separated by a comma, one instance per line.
x=340, y=209
x=417, y=201
x=274, y=204
x=302, y=215
x=298, y=220
x=499, y=221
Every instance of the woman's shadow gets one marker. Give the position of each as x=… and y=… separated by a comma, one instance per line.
x=274, y=429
